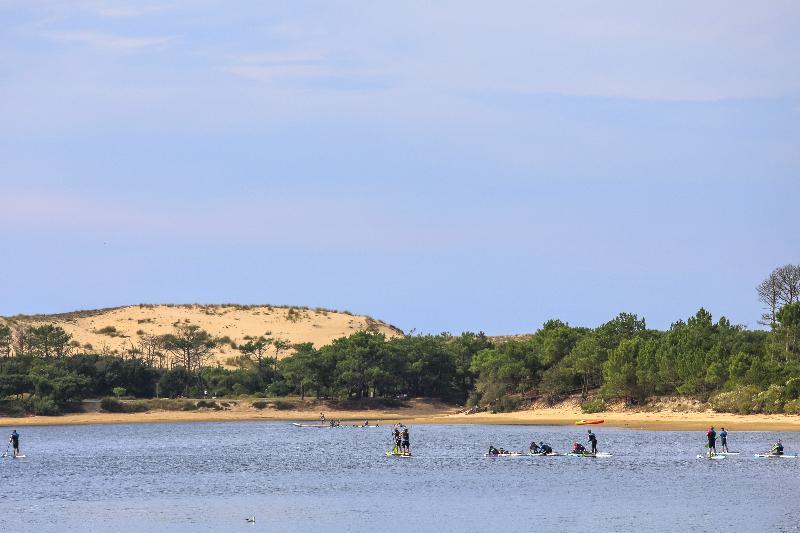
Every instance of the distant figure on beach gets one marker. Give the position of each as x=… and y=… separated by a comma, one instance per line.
x=322, y=418
x=723, y=440
x=14, y=441
x=712, y=441
x=593, y=441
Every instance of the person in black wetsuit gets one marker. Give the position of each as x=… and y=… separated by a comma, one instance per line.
x=545, y=449
x=534, y=448
x=398, y=440
x=593, y=441
x=493, y=451
x=14, y=441
x=406, y=444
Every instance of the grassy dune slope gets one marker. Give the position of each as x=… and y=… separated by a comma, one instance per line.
x=293, y=324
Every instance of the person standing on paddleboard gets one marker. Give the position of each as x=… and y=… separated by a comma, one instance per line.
x=723, y=439
x=14, y=441
x=406, y=447
x=593, y=441
x=712, y=441
x=398, y=440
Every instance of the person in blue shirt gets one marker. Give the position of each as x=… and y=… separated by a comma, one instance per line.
x=406, y=444
x=545, y=449
x=593, y=441
x=723, y=437
x=14, y=441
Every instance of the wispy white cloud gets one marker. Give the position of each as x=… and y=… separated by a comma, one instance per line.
x=106, y=40
x=104, y=9
x=309, y=70
x=274, y=66
x=282, y=58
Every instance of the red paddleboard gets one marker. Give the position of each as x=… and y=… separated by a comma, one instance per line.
x=586, y=422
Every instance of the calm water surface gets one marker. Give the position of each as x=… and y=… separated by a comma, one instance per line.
x=210, y=476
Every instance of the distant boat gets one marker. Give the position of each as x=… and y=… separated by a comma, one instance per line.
x=587, y=422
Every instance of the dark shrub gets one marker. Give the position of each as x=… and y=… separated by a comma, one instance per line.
x=43, y=407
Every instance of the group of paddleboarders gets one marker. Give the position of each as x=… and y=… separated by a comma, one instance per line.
x=580, y=449
x=711, y=436
x=335, y=423
x=540, y=449
x=402, y=443
x=545, y=449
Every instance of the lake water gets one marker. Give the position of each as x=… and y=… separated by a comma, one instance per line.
x=210, y=476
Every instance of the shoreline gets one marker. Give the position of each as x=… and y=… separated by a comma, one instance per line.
x=656, y=420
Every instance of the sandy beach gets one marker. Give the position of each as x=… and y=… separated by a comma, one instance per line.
x=427, y=412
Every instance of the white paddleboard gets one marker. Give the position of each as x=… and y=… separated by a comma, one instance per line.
x=713, y=457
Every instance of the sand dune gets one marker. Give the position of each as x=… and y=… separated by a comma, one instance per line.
x=93, y=329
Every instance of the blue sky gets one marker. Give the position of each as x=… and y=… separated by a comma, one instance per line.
x=457, y=166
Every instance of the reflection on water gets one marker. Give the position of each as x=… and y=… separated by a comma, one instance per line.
x=211, y=476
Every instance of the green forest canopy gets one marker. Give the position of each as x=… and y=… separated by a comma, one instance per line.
x=739, y=370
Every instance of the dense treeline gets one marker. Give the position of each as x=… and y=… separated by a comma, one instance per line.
x=736, y=369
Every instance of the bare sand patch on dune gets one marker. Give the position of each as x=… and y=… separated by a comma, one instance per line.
x=118, y=330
